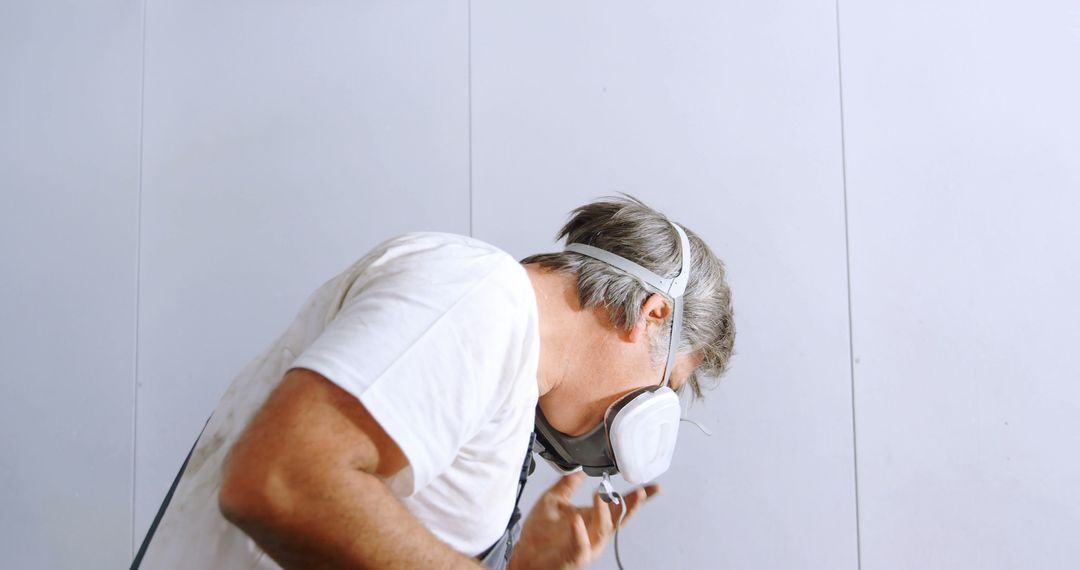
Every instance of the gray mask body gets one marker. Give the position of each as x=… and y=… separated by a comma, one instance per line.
x=589, y=451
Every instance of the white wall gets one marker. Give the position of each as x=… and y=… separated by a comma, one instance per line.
x=69, y=183
x=963, y=165
x=170, y=200
x=673, y=105
x=273, y=159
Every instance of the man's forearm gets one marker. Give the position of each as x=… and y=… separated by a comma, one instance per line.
x=353, y=522
x=304, y=480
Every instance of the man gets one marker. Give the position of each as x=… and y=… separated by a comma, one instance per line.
x=387, y=426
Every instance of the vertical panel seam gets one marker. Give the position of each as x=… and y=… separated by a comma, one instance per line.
x=847, y=261
x=469, y=112
x=138, y=281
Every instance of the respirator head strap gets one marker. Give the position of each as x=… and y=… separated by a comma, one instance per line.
x=640, y=430
x=673, y=287
x=670, y=286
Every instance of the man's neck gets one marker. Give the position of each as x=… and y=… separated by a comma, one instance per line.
x=580, y=354
x=560, y=328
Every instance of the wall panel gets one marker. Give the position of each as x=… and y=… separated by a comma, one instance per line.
x=283, y=141
x=963, y=154
x=69, y=180
x=727, y=118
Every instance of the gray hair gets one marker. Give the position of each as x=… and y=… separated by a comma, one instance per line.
x=627, y=227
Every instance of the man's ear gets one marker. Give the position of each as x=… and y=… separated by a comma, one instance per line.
x=654, y=312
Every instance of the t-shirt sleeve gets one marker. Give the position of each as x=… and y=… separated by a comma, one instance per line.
x=428, y=353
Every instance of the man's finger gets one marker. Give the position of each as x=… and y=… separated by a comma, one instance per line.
x=634, y=499
x=580, y=544
x=602, y=517
x=564, y=488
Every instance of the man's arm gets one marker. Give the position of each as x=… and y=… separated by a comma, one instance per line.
x=305, y=482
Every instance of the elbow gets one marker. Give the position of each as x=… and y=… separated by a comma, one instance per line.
x=244, y=498
x=236, y=503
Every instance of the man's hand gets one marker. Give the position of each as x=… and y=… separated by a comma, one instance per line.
x=560, y=536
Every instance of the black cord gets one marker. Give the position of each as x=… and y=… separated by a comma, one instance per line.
x=618, y=525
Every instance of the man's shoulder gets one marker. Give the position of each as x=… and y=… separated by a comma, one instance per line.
x=440, y=240
x=441, y=257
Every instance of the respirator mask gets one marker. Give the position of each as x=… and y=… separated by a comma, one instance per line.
x=638, y=434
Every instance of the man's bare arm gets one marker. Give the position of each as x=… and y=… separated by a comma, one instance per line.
x=305, y=482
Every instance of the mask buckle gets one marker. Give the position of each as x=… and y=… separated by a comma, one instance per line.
x=607, y=491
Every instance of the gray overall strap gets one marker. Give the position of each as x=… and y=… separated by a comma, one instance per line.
x=165, y=504
x=497, y=557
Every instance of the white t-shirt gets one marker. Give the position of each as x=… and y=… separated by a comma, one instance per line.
x=437, y=335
